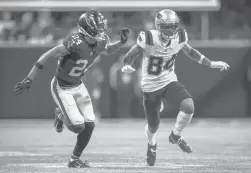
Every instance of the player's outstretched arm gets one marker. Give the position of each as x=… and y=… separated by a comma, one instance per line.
x=130, y=57
x=134, y=52
x=201, y=59
x=114, y=47
x=131, y=54
x=56, y=52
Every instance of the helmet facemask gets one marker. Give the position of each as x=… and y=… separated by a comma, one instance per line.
x=102, y=24
x=90, y=29
x=95, y=25
x=167, y=30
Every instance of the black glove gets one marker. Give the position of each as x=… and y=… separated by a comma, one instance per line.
x=24, y=85
x=124, y=34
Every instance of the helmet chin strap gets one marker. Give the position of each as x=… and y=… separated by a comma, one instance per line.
x=163, y=38
x=91, y=39
x=166, y=39
x=82, y=31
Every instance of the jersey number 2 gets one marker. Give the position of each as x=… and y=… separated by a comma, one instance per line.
x=155, y=64
x=77, y=71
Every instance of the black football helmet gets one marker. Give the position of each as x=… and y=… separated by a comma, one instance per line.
x=92, y=23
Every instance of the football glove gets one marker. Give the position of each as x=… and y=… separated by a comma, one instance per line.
x=24, y=85
x=124, y=34
x=219, y=64
x=127, y=69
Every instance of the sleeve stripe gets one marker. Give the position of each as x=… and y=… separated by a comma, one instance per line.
x=182, y=36
x=149, y=37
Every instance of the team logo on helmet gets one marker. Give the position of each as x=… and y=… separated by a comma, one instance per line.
x=159, y=15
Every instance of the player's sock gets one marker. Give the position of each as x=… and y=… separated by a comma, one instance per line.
x=74, y=157
x=59, y=113
x=151, y=136
x=60, y=116
x=83, y=139
x=182, y=121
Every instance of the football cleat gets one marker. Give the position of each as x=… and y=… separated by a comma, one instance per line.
x=151, y=154
x=175, y=139
x=77, y=163
x=58, y=124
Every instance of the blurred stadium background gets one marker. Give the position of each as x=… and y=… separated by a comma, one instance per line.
x=221, y=29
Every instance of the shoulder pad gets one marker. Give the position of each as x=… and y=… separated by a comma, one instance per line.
x=182, y=36
x=145, y=38
x=149, y=37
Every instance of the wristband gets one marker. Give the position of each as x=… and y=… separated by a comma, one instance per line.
x=28, y=79
x=39, y=66
x=201, y=59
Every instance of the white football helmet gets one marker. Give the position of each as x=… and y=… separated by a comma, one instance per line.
x=166, y=23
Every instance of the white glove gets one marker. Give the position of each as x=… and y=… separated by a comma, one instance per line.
x=219, y=64
x=127, y=69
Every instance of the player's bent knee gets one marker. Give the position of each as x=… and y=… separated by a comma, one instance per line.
x=90, y=125
x=187, y=106
x=77, y=128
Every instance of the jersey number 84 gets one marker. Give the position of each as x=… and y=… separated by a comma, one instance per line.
x=156, y=64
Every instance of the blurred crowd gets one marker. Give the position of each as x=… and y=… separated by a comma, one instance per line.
x=46, y=26
x=231, y=22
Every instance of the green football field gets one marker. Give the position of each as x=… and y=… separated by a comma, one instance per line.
x=119, y=146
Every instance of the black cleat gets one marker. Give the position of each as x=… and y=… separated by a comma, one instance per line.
x=151, y=154
x=175, y=139
x=77, y=163
x=58, y=124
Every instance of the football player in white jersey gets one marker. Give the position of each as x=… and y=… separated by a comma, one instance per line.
x=159, y=81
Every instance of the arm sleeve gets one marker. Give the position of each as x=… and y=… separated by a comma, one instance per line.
x=183, y=38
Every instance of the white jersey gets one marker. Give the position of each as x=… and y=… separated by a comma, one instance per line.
x=159, y=60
